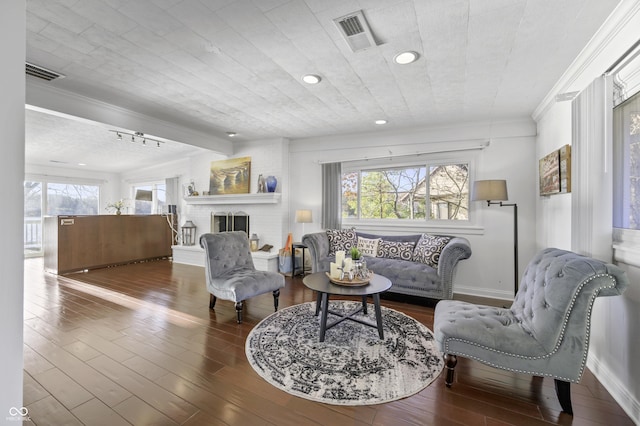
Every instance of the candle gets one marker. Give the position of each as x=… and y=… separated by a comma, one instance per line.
x=347, y=264
x=339, y=258
x=335, y=272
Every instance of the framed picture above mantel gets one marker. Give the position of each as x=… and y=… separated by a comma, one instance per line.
x=555, y=172
x=230, y=176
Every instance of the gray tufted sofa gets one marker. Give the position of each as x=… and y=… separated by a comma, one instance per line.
x=231, y=274
x=545, y=332
x=408, y=277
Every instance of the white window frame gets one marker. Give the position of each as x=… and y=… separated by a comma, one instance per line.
x=626, y=242
x=154, y=191
x=388, y=226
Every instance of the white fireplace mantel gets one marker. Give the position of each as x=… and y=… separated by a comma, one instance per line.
x=262, y=198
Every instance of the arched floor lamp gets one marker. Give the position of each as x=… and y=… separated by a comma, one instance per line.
x=494, y=192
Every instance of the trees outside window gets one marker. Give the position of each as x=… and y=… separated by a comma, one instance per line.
x=626, y=177
x=407, y=193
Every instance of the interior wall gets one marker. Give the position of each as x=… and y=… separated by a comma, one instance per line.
x=12, y=116
x=614, y=345
x=269, y=221
x=508, y=156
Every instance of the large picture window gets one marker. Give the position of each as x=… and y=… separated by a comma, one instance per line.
x=626, y=179
x=426, y=192
x=54, y=199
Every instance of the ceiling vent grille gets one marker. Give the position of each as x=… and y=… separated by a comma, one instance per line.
x=356, y=31
x=43, y=73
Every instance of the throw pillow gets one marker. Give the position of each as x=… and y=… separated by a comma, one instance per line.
x=428, y=249
x=368, y=246
x=395, y=249
x=341, y=239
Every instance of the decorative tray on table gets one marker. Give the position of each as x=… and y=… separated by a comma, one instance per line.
x=355, y=282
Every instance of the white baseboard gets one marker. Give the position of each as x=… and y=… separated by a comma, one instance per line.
x=618, y=391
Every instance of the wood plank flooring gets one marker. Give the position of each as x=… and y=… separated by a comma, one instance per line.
x=138, y=345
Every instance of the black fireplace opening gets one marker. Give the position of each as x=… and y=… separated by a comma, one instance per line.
x=227, y=221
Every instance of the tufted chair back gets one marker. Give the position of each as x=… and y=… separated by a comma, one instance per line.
x=556, y=295
x=227, y=252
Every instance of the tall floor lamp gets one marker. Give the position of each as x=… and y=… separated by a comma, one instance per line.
x=494, y=192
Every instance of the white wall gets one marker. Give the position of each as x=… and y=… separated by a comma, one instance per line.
x=615, y=341
x=268, y=221
x=12, y=86
x=510, y=156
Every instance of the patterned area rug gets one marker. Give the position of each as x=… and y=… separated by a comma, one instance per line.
x=352, y=366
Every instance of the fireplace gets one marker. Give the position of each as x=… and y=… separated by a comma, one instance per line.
x=228, y=221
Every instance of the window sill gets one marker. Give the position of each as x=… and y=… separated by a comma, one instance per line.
x=626, y=246
x=412, y=228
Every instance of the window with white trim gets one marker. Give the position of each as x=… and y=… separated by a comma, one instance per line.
x=149, y=198
x=432, y=192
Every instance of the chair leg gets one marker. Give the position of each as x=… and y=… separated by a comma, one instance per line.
x=212, y=301
x=450, y=363
x=563, y=391
x=239, y=311
x=276, y=294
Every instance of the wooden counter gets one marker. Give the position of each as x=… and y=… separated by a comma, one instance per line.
x=76, y=243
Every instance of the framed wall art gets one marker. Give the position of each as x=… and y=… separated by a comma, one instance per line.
x=555, y=172
x=230, y=176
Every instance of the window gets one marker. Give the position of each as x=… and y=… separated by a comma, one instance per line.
x=72, y=199
x=626, y=155
x=55, y=199
x=150, y=198
x=427, y=192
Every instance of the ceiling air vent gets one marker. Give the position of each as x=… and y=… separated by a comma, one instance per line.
x=355, y=30
x=43, y=73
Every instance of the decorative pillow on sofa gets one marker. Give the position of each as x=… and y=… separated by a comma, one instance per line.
x=368, y=246
x=341, y=239
x=428, y=249
x=395, y=249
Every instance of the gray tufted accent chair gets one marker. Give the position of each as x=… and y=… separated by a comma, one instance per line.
x=545, y=332
x=231, y=274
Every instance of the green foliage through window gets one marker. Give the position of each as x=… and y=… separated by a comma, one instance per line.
x=407, y=193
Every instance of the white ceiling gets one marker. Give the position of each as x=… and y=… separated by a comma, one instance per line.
x=235, y=65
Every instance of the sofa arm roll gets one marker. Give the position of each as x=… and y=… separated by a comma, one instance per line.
x=456, y=250
x=318, y=245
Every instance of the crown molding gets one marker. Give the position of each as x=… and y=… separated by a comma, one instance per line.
x=611, y=40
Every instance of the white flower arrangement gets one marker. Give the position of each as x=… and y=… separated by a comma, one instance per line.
x=117, y=206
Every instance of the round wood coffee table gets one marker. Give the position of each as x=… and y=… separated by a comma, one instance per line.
x=321, y=283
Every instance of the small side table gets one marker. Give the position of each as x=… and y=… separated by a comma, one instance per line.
x=294, y=246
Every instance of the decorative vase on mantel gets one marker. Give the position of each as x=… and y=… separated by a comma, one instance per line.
x=118, y=212
x=271, y=182
x=262, y=186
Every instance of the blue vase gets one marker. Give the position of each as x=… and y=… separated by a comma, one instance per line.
x=272, y=182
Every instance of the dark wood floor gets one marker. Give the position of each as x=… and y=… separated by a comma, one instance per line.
x=137, y=344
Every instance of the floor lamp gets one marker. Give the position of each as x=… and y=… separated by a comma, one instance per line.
x=494, y=192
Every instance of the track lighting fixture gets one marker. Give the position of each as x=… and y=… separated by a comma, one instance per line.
x=137, y=137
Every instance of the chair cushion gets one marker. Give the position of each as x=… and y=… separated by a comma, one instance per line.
x=241, y=284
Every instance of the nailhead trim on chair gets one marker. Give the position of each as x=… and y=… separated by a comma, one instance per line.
x=555, y=349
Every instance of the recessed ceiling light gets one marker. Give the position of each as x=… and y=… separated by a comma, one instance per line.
x=311, y=79
x=231, y=134
x=404, y=58
x=380, y=122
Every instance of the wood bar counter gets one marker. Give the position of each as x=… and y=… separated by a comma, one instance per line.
x=76, y=243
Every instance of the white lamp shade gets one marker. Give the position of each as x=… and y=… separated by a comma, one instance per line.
x=303, y=216
x=489, y=190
